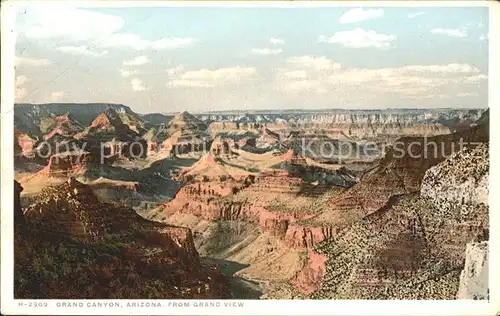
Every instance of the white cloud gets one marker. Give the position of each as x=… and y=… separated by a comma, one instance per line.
x=475, y=79
x=127, y=73
x=450, y=68
x=428, y=96
x=232, y=73
x=80, y=50
x=412, y=80
x=54, y=96
x=467, y=94
x=138, y=85
x=20, y=89
x=267, y=51
x=189, y=83
x=360, y=38
x=205, y=78
x=359, y=14
x=175, y=70
x=137, y=61
x=300, y=86
x=318, y=63
x=414, y=15
x=296, y=74
x=450, y=32
x=32, y=62
x=277, y=41
x=102, y=30
x=322, y=39
x=76, y=24
x=20, y=80
x=136, y=42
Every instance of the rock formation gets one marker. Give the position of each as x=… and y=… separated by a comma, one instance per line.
x=70, y=163
x=185, y=122
x=64, y=125
x=393, y=245
x=400, y=172
x=117, y=132
x=18, y=212
x=396, y=228
x=459, y=183
x=23, y=143
x=28, y=117
x=186, y=134
x=474, y=277
x=459, y=186
x=76, y=247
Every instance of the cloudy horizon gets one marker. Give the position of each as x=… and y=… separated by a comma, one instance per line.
x=171, y=59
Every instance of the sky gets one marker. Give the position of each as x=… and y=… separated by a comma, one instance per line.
x=170, y=59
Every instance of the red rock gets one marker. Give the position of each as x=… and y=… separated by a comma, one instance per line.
x=65, y=125
x=305, y=237
x=70, y=163
x=310, y=277
x=24, y=141
x=126, y=255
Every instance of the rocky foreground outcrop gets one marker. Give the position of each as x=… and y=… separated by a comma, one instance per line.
x=474, y=276
x=400, y=172
x=393, y=241
x=460, y=185
x=72, y=246
x=461, y=182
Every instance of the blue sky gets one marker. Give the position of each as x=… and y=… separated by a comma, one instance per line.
x=172, y=59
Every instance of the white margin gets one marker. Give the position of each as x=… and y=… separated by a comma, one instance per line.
x=9, y=306
x=494, y=180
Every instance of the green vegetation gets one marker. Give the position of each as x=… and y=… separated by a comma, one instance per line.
x=46, y=124
x=303, y=257
x=72, y=246
x=300, y=205
x=365, y=253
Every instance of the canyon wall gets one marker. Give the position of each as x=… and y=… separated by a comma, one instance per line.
x=87, y=250
x=474, y=277
x=461, y=182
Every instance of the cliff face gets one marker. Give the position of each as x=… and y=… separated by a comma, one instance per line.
x=206, y=200
x=18, y=211
x=115, y=133
x=23, y=143
x=461, y=182
x=340, y=177
x=459, y=185
x=70, y=163
x=117, y=124
x=64, y=125
x=401, y=117
x=389, y=242
x=75, y=247
x=186, y=134
x=28, y=117
x=474, y=276
x=265, y=200
x=401, y=171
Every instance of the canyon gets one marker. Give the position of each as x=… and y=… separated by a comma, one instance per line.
x=241, y=205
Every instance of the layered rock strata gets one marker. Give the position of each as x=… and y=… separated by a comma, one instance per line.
x=73, y=246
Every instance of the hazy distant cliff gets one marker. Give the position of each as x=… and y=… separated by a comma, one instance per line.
x=28, y=117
